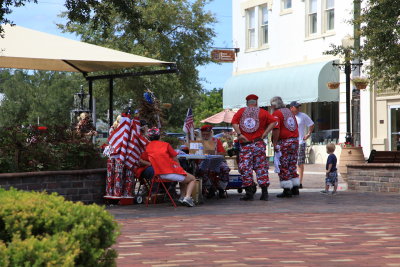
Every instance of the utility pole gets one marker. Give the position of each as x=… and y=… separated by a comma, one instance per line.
x=357, y=72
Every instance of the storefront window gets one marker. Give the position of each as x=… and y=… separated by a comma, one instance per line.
x=326, y=119
x=394, y=128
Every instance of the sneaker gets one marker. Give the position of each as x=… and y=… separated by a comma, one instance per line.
x=180, y=200
x=334, y=193
x=324, y=192
x=188, y=201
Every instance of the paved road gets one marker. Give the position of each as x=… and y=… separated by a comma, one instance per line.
x=349, y=229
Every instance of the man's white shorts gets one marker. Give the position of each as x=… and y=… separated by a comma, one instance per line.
x=173, y=177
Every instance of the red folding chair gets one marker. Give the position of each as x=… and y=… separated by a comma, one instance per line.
x=158, y=180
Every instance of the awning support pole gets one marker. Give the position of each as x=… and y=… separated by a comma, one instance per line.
x=91, y=96
x=111, y=89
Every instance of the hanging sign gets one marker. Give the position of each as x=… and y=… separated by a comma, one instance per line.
x=223, y=55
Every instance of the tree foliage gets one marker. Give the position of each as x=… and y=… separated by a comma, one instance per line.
x=174, y=31
x=6, y=9
x=47, y=95
x=208, y=104
x=380, y=26
x=178, y=31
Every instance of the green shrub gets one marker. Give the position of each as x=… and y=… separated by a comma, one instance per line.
x=37, y=229
x=24, y=149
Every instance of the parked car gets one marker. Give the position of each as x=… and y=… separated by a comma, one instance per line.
x=222, y=129
x=177, y=135
x=218, y=135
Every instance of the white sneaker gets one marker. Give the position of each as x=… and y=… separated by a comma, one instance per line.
x=188, y=201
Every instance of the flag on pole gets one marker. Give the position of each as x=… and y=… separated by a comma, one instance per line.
x=137, y=144
x=188, y=126
x=119, y=138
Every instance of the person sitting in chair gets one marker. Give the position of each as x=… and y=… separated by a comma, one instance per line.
x=216, y=176
x=165, y=164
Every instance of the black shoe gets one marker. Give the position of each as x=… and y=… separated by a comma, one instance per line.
x=254, y=187
x=221, y=193
x=264, y=193
x=249, y=196
x=286, y=193
x=211, y=193
x=301, y=186
x=295, y=191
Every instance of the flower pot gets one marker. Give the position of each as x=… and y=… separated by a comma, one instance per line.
x=360, y=85
x=347, y=156
x=333, y=85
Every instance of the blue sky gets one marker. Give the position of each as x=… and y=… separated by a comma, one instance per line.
x=43, y=17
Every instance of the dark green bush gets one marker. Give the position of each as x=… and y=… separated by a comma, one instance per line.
x=25, y=149
x=37, y=229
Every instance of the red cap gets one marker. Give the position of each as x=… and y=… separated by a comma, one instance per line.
x=251, y=97
x=206, y=128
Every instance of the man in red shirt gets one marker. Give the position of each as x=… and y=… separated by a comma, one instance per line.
x=286, y=144
x=221, y=170
x=165, y=164
x=252, y=124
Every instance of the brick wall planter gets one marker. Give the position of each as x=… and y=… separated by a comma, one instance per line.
x=87, y=186
x=374, y=177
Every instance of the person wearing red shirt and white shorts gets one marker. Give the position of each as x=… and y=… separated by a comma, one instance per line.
x=165, y=164
x=252, y=124
x=285, y=139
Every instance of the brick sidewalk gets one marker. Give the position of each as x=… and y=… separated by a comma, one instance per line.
x=312, y=239
x=350, y=229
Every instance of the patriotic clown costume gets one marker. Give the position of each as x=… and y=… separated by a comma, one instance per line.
x=250, y=123
x=125, y=144
x=286, y=149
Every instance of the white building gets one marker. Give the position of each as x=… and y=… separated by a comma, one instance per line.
x=281, y=54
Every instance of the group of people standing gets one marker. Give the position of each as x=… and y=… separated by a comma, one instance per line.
x=252, y=124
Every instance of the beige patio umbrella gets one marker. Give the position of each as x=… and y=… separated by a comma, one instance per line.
x=24, y=48
x=223, y=116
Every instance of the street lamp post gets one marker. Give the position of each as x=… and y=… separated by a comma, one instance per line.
x=347, y=44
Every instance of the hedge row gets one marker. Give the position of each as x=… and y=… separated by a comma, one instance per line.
x=37, y=229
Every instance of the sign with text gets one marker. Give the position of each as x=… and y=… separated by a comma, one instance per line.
x=220, y=55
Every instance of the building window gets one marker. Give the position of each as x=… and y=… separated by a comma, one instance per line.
x=250, y=28
x=329, y=15
x=263, y=25
x=286, y=4
x=312, y=17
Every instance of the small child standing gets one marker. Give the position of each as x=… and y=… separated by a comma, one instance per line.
x=331, y=170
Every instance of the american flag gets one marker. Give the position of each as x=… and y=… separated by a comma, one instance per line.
x=188, y=126
x=126, y=142
x=118, y=139
x=137, y=144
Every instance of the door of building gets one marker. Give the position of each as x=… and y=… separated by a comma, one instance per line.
x=394, y=128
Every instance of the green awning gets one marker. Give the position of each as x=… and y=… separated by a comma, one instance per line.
x=304, y=83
